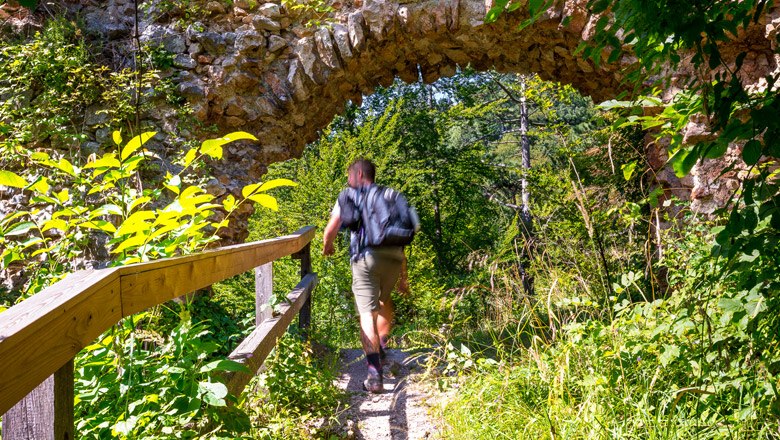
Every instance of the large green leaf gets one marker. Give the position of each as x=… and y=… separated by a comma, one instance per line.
x=213, y=147
x=100, y=225
x=8, y=178
x=223, y=365
x=20, y=229
x=683, y=161
x=132, y=242
x=751, y=152
x=275, y=183
x=117, y=137
x=108, y=160
x=496, y=11
x=136, y=143
x=250, y=189
x=137, y=222
x=214, y=393
x=55, y=223
x=265, y=200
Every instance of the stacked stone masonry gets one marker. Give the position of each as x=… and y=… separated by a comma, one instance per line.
x=258, y=67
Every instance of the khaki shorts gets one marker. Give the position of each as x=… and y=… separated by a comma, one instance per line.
x=374, y=276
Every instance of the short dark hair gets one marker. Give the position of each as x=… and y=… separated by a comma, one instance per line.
x=365, y=166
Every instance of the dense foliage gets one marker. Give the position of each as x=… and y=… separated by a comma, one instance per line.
x=585, y=323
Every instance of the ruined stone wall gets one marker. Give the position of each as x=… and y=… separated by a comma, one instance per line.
x=257, y=67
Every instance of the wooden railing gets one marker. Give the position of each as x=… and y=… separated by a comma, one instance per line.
x=40, y=336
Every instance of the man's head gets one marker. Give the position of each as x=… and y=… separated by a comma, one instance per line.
x=361, y=172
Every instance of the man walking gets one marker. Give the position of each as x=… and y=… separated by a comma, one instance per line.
x=375, y=269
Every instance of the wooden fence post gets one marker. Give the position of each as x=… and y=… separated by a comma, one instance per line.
x=304, y=316
x=264, y=289
x=46, y=413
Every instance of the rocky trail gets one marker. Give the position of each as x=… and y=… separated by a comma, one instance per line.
x=401, y=412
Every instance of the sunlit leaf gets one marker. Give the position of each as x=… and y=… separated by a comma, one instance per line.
x=682, y=162
x=265, y=200
x=107, y=209
x=213, y=147
x=55, y=223
x=223, y=365
x=213, y=393
x=189, y=192
x=137, y=222
x=11, y=217
x=138, y=202
x=117, y=136
x=136, y=143
x=63, y=195
x=628, y=170
x=132, y=163
x=173, y=184
x=67, y=167
x=132, y=242
x=275, y=183
x=100, y=225
x=108, y=160
x=250, y=189
x=222, y=224
x=8, y=178
x=164, y=230
x=41, y=185
x=31, y=242
x=41, y=251
x=190, y=156
x=20, y=229
x=229, y=203
x=100, y=188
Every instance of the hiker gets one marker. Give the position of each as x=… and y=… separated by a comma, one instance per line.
x=375, y=269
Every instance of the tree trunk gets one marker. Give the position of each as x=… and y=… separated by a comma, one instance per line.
x=526, y=226
x=525, y=154
x=437, y=230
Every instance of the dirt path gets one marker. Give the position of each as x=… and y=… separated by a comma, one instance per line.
x=399, y=413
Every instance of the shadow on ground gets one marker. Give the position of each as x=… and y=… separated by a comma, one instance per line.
x=400, y=412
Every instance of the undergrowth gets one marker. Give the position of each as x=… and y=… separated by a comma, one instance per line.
x=701, y=362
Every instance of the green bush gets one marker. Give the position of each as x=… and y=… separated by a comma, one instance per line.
x=701, y=362
x=138, y=384
x=296, y=389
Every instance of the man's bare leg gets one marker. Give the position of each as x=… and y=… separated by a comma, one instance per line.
x=370, y=340
x=369, y=336
x=384, y=321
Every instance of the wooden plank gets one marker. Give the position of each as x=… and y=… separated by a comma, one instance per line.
x=264, y=289
x=304, y=317
x=46, y=413
x=255, y=347
x=148, y=284
x=44, y=332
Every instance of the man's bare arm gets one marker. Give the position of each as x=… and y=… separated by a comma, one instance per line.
x=329, y=235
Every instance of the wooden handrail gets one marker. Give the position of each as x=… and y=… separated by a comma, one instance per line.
x=46, y=331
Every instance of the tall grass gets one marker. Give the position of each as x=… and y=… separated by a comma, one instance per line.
x=568, y=366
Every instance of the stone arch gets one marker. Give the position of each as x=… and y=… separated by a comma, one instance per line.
x=260, y=69
x=266, y=73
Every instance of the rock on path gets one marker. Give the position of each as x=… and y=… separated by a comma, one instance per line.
x=398, y=413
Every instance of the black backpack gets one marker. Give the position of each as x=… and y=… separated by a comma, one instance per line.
x=381, y=215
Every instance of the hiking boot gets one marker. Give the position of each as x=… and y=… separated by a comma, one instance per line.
x=373, y=382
